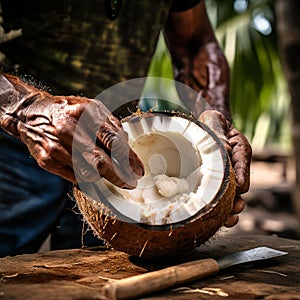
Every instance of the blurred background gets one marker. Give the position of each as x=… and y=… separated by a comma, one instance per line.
x=260, y=39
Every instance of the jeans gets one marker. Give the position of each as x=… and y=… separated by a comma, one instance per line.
x=35, y=203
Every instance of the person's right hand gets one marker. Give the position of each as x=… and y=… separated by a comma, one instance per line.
x=240, y=153
x=74, y=137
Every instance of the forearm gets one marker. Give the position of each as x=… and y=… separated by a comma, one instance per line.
x=197, y=59
x=207, y=73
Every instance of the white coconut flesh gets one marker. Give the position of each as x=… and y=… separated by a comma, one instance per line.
x=184, y=170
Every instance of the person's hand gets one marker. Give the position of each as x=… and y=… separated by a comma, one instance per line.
x=74, y=137
x=240, y=153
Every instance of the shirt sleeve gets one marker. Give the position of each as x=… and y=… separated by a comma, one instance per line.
x=179, y=5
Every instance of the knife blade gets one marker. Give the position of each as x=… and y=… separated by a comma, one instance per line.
x=255, y=254
x=140, y=285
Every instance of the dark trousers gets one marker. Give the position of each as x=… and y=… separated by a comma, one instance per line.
x=34, y=204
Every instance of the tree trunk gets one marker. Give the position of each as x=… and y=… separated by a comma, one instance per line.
x=288, y=29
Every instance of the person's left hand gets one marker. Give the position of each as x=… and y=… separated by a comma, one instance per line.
x=240, y=153
x=74, y=137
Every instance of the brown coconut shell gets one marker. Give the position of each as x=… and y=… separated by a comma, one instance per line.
x=165, y=240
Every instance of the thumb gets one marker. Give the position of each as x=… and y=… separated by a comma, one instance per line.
x=218, y=124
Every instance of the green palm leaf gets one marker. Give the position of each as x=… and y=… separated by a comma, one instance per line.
x=259, y=98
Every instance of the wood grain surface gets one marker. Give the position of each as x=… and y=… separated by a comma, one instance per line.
x=82, y=273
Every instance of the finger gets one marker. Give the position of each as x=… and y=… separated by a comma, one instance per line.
x=115, y=122
x=80, y=115
x=84, y=170
x=135, y=164
x=241, y=159
x=96, y=164
x=95, y=159
x=113, y=172
x=238, y=206
x=93, y=162
x=56, y=162
x=216, y=122
x=241, y=174
x=52, y=164
x=231, y=221
x=120, y=151
x=227, y=146
x=63, y=171
x=106, y=132
x=48, y=153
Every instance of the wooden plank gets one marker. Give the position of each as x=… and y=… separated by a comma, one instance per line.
x=80, y=274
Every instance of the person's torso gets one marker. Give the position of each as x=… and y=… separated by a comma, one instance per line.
x=75, y=48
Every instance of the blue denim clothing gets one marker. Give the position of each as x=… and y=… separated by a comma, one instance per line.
x=74, y=48
x=33, y=204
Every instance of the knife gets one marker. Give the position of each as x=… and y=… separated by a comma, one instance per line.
x=140, y=285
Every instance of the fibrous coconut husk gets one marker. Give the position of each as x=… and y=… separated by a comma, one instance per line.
x=166, y=240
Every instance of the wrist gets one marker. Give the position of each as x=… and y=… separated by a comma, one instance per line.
x=207, y=73
x=15, y=98
x=9, y=97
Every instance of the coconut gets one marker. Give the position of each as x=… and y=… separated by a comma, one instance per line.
x=184, y=198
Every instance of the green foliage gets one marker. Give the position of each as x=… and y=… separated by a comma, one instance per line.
x=160, y=67
x=260, y=102
x=259, y=99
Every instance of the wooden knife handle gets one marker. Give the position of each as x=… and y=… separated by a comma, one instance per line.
x=150, y=282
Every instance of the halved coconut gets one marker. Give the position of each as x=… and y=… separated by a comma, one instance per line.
x=184, y=197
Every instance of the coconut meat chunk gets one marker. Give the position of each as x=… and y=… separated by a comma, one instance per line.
x=184, y=170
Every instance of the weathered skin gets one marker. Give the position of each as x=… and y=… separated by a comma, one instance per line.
x=198, y=59
x=239, y=151
x=46, y=124
x=200, y=63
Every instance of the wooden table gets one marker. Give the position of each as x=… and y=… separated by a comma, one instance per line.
x=80, y=274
